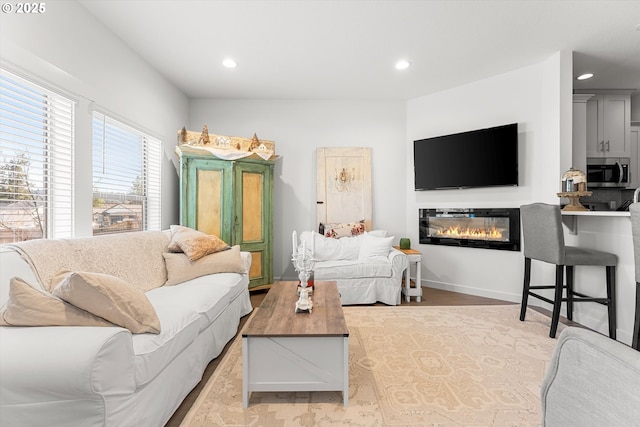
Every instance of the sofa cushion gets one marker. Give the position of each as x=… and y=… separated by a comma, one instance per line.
x=28, y=306
x=374, y=249
x=180, y=326
x=110, y=298
x=180, y=268
x=206, y=295
x=339, y=269
x=327, y=248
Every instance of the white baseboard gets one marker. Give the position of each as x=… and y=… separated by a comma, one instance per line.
x=469, y=290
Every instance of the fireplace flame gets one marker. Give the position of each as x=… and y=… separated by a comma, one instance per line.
x=458, y=232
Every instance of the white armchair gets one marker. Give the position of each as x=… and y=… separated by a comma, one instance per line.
x=366, y=268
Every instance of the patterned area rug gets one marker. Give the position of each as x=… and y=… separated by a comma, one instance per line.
x=409, y=366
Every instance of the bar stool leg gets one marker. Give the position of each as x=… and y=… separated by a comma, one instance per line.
x=569, y=292
x=557, y=300
x=611, y=296
x=525, y=288
x=636, y=327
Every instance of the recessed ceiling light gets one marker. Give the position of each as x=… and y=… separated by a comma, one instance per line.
x=402, y=64
x=585, y=76
x=229, y=63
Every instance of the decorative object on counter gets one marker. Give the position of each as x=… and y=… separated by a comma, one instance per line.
x=574, y=200
x=574, y=186
x=405, y=243
x=228, y=147
x=574, y=180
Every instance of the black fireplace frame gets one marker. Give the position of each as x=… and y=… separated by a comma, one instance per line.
x=514, y=227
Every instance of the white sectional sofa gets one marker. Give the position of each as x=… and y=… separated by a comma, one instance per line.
x=366, y=268
x=107, y=376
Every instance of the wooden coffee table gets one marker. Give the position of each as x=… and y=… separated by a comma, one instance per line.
x=287, y=351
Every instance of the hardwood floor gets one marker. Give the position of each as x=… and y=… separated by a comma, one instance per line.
x=430, y=297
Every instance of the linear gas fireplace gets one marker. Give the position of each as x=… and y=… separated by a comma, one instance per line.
x=493, y=228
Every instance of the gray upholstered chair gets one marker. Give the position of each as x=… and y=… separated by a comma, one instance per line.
x=544, y=241
x=635, y=230
x=591, y=381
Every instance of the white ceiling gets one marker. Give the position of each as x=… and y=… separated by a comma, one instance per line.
x=332, y=49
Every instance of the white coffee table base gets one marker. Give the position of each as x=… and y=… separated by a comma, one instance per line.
x=304, y=363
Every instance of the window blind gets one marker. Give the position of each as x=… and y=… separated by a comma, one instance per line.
x=36, y=161
x=126, y=178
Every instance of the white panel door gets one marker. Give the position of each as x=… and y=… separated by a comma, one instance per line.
x=343, y=185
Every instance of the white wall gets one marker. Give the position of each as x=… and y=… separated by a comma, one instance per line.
x=66, y=48
x=298, y=127
x=535, y=97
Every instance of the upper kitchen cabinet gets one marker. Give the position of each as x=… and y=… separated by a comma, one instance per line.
x=608, y=124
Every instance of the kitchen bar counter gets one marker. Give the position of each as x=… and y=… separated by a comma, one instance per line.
x=608, y=231
x=595, y=213
x=570, y=218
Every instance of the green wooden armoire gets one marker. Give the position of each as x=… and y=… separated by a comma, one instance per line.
x=232, y=199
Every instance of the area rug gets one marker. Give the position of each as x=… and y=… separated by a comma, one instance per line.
x=408, y=366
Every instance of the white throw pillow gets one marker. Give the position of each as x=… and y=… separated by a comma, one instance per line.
x=328, y=248
x=373, y=249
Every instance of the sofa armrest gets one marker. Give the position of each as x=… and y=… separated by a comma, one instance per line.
x=399, y=262
x=246, y=258
x=591, y=380
x=41, y=364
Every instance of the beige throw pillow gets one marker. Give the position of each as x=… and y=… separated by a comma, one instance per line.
x=180, y=232
x=108, y=297
x=195, y=244
x=180, y=268
x=28, y=306
x=202, y=246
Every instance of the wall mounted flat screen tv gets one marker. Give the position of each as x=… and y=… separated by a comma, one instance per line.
x=478, y=158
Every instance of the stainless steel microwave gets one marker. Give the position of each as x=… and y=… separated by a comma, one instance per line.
x=608, y=172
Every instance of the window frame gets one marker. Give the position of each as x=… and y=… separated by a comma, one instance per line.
x=109, y=132
x=34, y=132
